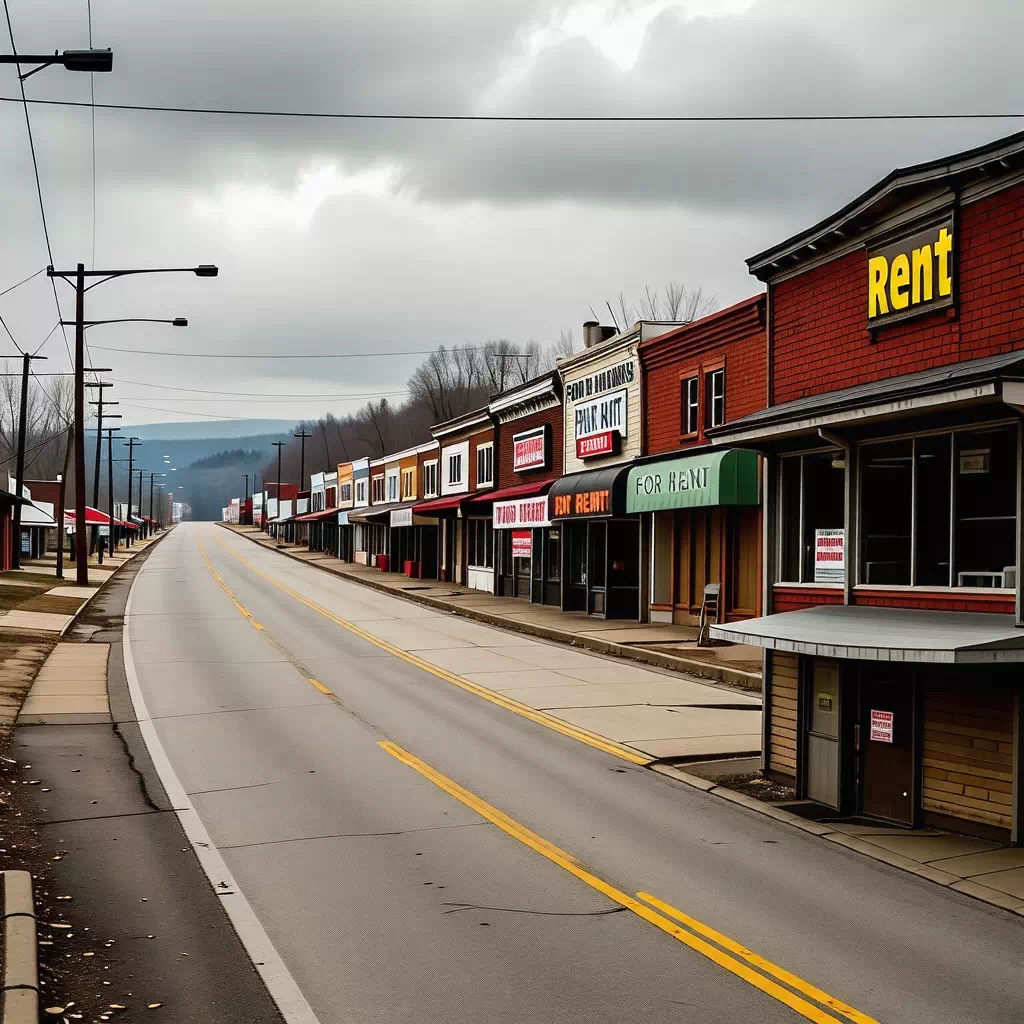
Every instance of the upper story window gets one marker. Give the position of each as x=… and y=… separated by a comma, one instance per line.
x=408, y=484
x=690, y=398
x=318, y=501
x=361, y=491
x=484, y=465
x=393, y=486
x=714, y=402
x=455, y=468
x=346, y=492
x=430, y=479
x=377, y=489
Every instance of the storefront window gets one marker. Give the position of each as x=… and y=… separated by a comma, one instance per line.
x=481, y=543
x=887, y=483
x=554, y=554
x=985, y=536
x=940, y=510
x=813, y=493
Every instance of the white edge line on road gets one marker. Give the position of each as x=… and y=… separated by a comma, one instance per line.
x=265, y=958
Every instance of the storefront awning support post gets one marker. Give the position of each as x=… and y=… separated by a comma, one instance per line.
x=849, y=508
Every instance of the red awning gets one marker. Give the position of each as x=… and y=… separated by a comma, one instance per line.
x=312, y=517
x=519, y=491
x=92, y=516
x=439, y=505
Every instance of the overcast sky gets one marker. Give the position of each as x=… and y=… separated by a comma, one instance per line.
x=376, y=237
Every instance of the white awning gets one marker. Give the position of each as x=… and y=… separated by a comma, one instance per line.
x=883, y=634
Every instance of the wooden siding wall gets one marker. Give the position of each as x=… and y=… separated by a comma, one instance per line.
x=782, y=703
x=968, y=752
x=507, y=476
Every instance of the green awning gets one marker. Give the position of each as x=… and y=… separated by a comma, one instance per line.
x=728, y=477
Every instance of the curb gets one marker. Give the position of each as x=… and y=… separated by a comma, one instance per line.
x=21, y=969
x=963, y=886
x=748, y=681
x=85, y=604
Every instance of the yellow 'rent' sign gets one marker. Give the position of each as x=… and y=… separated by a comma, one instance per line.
x=913, y=275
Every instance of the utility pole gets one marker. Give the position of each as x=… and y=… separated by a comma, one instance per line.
x=278, y=445
x=130, y=445
x=80, y=324
x=94, y=534
x=302, y=458
x=20, y=465
x=142, y=529
x=110, y=485
x=63, y=502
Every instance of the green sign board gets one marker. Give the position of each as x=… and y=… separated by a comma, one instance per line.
x=727, y=477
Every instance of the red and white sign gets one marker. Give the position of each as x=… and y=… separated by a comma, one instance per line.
x=508, y=515
x=522, y=544
x=530, y=450
x=881, y=726
x=829, y=556
x=596, y=444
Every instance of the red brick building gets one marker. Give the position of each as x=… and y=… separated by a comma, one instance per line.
x=704, y=502
x=893, y=539
x=528, y=439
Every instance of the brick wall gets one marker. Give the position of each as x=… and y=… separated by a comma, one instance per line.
x=819, y=328
x=734, y=337
x=507, y=477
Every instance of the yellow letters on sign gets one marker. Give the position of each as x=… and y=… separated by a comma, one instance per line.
x=914, y=272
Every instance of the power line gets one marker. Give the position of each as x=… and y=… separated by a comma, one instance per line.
x=529, y=118
x=263, y=399
x=254, y=394
x=35, y=168
x=184, y=412
x=46, y=339
x=24, y=280
x=301, y=355
x=11, y=336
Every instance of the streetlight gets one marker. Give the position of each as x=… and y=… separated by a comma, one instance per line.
x=79, y=274
x=151, y=476
x=91, y=61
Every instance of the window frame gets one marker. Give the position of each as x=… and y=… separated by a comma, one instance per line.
x=430, y=477
x=486, y=448
x=408, y=482
x=342, y=496
x=361, y=485
x=392, y=483
x=455, y=458
x=711, y=373
x=686, y=379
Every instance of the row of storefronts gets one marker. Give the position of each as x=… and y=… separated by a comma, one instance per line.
x=838, y=459
x=553, y=494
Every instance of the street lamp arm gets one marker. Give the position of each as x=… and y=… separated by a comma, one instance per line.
x=92, y=60
x=178, y=321
x=203, y=270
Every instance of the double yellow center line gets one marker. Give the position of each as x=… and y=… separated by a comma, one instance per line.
x=540, y=717
x=801, y=996
x=733, y=957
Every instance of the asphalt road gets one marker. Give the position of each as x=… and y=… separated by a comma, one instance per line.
x=486, y=868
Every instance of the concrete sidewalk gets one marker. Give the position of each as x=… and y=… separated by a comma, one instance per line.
x=664, y=646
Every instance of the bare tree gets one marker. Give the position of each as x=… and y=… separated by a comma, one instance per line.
x=563, y=346
x=378, y=426
x=680, y=304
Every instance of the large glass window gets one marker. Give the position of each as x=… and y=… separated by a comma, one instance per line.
x=481, y=543
x=813, y=494
x=554, y=561
x=985, y=507
x=886, y=487
x=940, y=510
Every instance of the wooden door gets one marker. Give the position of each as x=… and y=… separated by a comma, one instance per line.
x=887, y=745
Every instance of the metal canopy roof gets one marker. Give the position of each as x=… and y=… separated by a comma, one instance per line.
x=883, y=634
x=803, y=415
